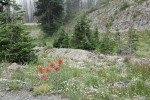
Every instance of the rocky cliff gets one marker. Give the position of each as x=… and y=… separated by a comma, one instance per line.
x=118, y=14
x=122, y=15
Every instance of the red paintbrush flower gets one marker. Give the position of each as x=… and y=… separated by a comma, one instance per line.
x=40, y=69
x=60, y=61
x=43, y=76
x=56, y=68
x=52, y=64
x=48, y=69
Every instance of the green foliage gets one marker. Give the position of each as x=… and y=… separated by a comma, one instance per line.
x=96, y=37
x=118, y=42
x=140, y=1
x=62, y=39
x=132, y=40
x=103, y=83
x=82, y=35
x=136, y=13
x=18, y=75
x=6, y=16
x=124, y=6
x=109, y=22
x=42, y=89
x=50, y=13
x=13, y=86
x=72, y=8
x=92, y=81
x=15, y=45
x=143, y=48
x=106, y=45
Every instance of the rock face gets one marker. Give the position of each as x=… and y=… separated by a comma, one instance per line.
x=75, y=54
x=93, y=58
x=134, y=15
x=7, y=73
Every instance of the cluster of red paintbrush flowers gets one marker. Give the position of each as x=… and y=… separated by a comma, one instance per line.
x=55, y=66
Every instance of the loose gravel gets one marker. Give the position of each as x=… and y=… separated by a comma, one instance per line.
x=25, y=95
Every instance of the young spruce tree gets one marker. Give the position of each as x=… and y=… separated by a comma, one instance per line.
x=132, y=41
x=82, y=35
x=62, y=39
x=15, y=45
x=96, y=37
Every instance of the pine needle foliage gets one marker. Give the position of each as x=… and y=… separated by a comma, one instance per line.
x=15, y=44
x=50, y=15
x=82, y=37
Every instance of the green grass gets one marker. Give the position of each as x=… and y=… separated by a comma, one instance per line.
x=13, y=86
x=89, y=84
x=144, y=44
x=18, y=75
x=85, y=84
x=42, y=40
x=140, y=1
x=42, y=89
x=75, y=84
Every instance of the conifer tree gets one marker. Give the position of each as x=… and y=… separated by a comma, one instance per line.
x=15, y=45
x=107, y=45
x=118, y=41
x=96, y=37
x=132, y=41
x=82, y=35
x=62, y=39
x=50, y=14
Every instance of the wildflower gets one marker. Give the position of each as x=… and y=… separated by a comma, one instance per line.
x=43, y=76
x=60, y=61
x=52, y=64
x=48, y=69
x=40, y=69
x=56, y=68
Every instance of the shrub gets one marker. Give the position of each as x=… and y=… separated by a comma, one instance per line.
x=140, y=1
x=13, y=86
x=132, y=41
x=96, y=37
x=106, y=45
x=82, y=37
x=109, y=23
x=42, y=89
x=124, y=6
x=62, y=40
x=118, y=42
x=15, y=45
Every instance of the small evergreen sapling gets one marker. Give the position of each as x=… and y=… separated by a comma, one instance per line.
x=106, y=45
x=62, y=39
x=82, y=35
x=132, y=41
x=96, y=37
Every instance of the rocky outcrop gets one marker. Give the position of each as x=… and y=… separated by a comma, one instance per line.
x=91, y=57
x=7, y=73
x=134, y=15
